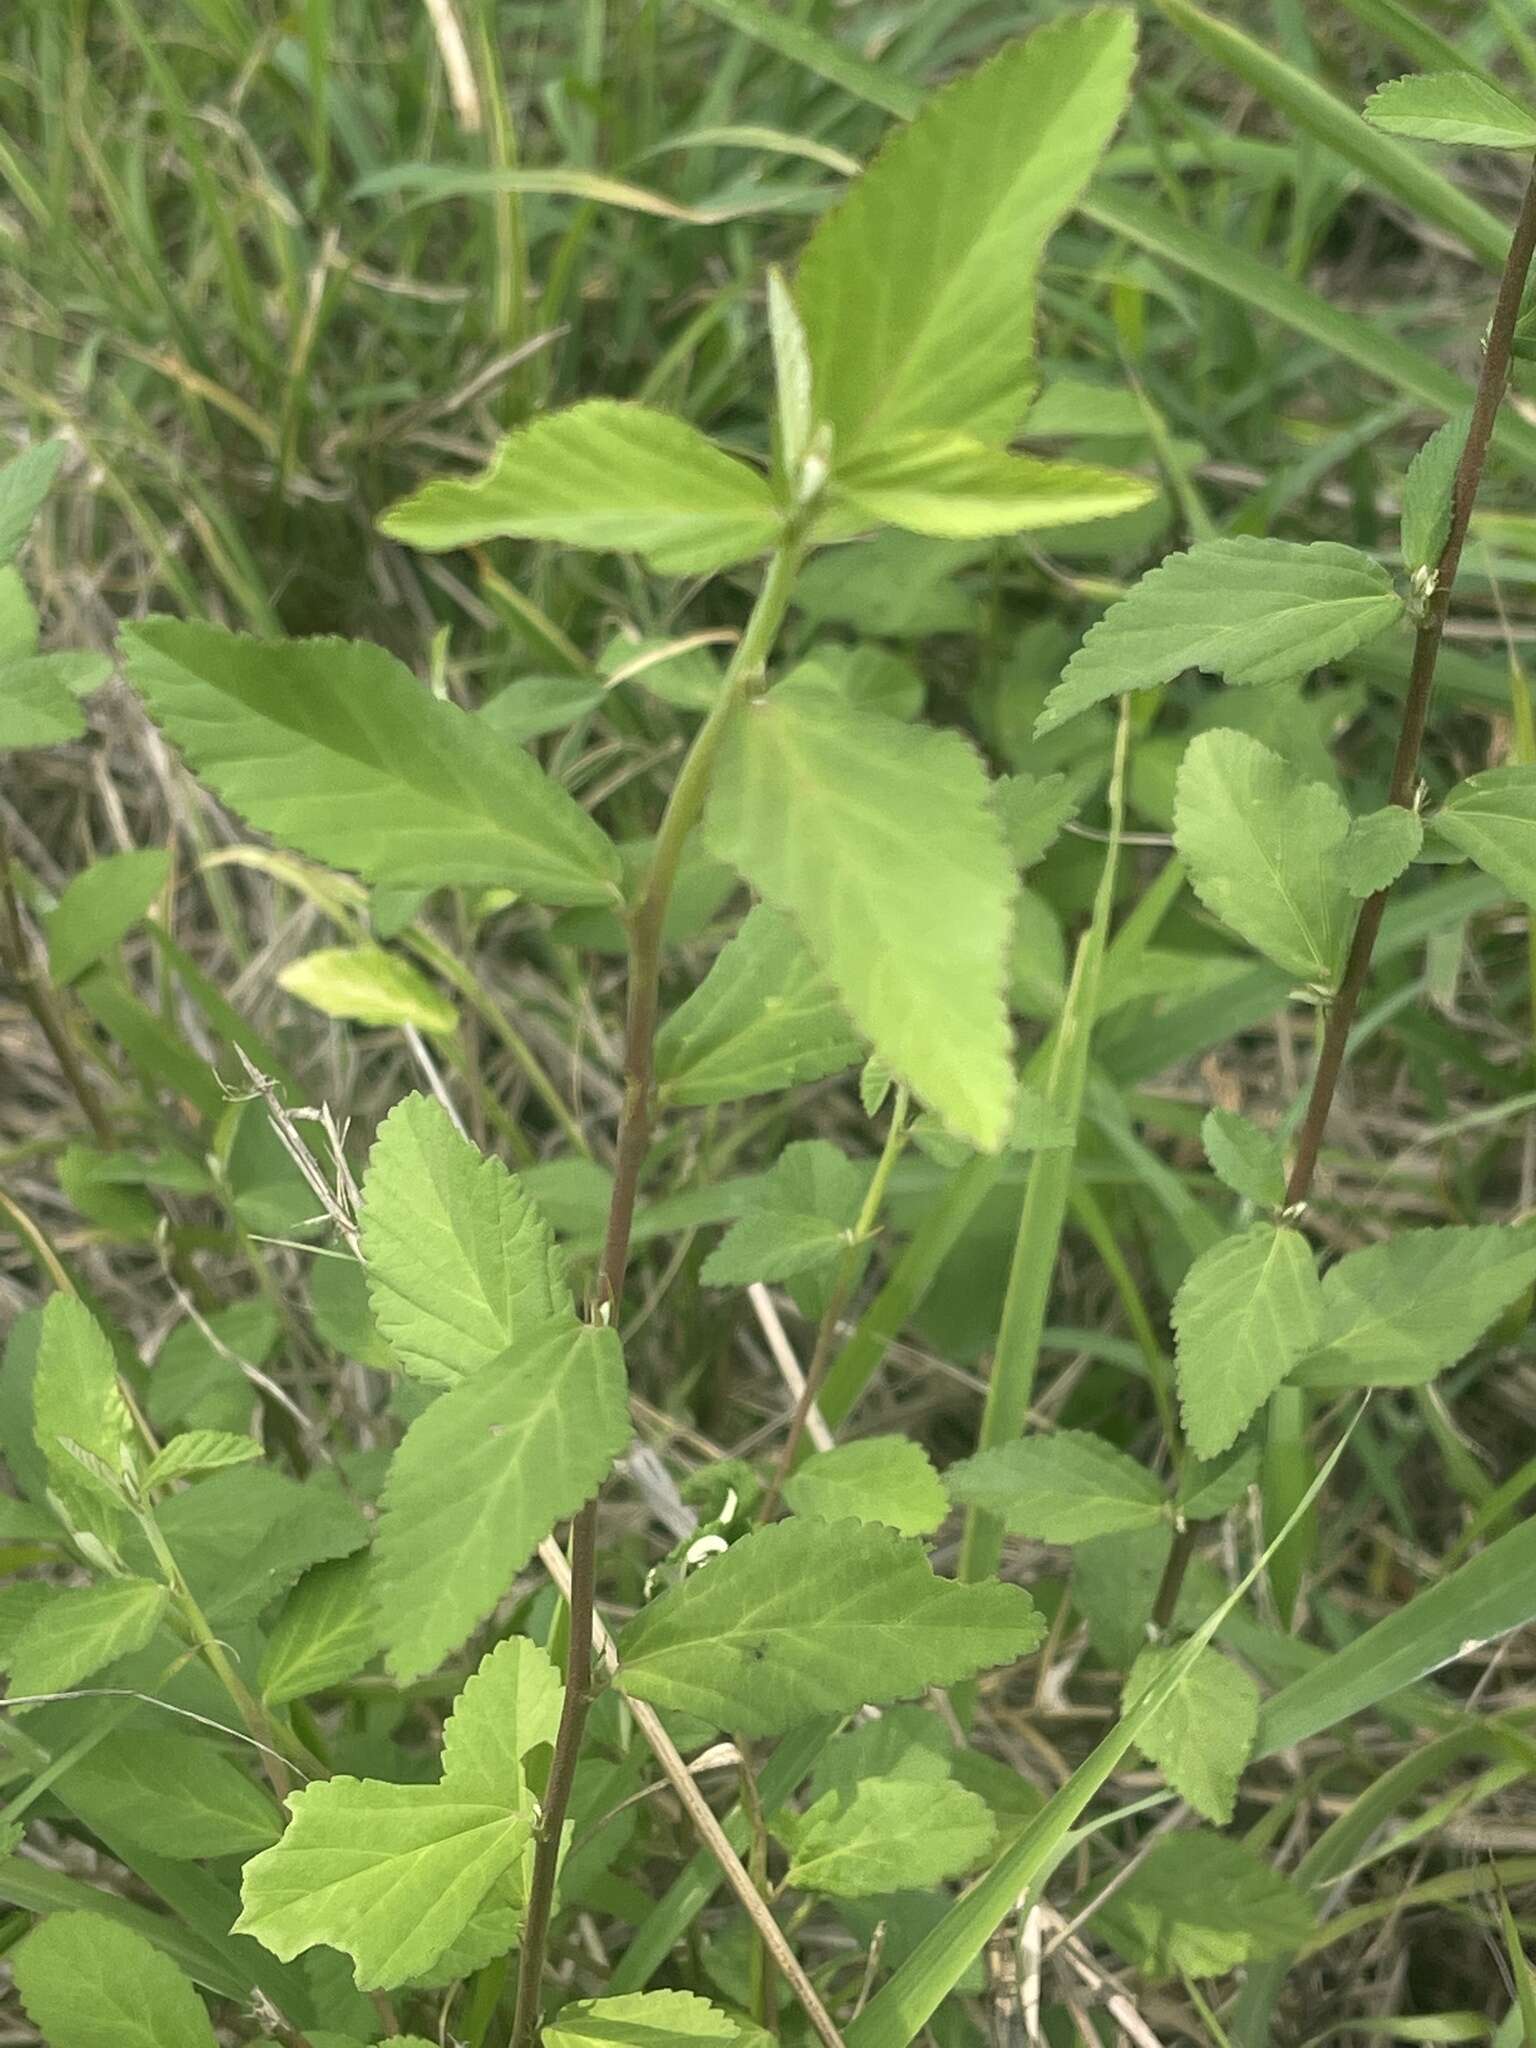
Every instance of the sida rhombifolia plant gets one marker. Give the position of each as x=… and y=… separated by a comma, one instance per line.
x=468, y=1837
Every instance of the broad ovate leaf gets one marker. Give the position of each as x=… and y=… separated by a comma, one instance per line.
x=958, y=488
x=483, y=1477
x=1379, y=847
x=24, y=483
x=1263, y=846
x=1247, y=1159
x=336, y=750
x=1249, y=610
x=80, y=1629
x=509, y=1707
x=326, y=1631
x=807, y=1617
x=1455, y=107
x=461, y=1263
x=917, y=291
x=879, y=840
x=1395, y=1314
x=875, y=1479
x=764, y=1018
x=1492, y=818
x=1247, y=1310
x=641, y=2019
x=392, y=1874
x=608, y=476
x=1201, y=1735
x=368, y=985
x=87, y=1981
x=101, y=905
x=1202, y=1904
x=1064, y=1488
x=888, y=1835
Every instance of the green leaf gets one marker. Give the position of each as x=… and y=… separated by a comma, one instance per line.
x=81, y=1629
x=603, y=475
x=874, y=1479
x=643, y=2019
x=367, y=985
x=75, y=1400
x=1063, y=1488
x=1249, y=1161
x=174, y=1795
x=36, y=708
x=195, y=1383
x=335, y=749
x=917, y=291
x=461, y=1264
x=390, y=1873
x=764, y=1018
x=509, y=1707
x=1395, y=1314
x=799, y=1216
x=483, y=1476
x=1452, y=107
x=1427, y=490
x=89, y=1982
x=197, y=1452
x=1492, y=818
x=1247, y=1310
x=1249, y=610
x=806, y=1617
x=1203, y=1904
x=791, y=376
x=326, y=1631
x=101, y=906
x=1209, y=1487
x=957, y=488
x=879, y=840
x=1034, y=808
x=1263, y=845
x=24, y=483
x=889, y=1835
x=1379, y=847
x=18, y=619
x=1201, y=1736
x=244, y=1535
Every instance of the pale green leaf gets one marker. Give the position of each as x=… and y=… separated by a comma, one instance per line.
x=538, y=704
x=81, y=1629
x=87, y=1981
x=1250, y=610
x=1427, y=490
x=1262, y=845
x=24, y=483
x=1034, y=808
x=1395, y=1314
x=481, y=1479
x=198, y=1451
x=875, y=1479
x=800, y=1215
x=957, y=488
x=1063, y=1488
x=1203, y=1904
x=1492, y=818
x=1247, y=1159
x=1209, y=1487
x=175, y=1795
x=1379, y=847
x=763, y=1019
x=461, y=1264
x=326, y=1631
x=19, y=626
x=242, y=1536
x=1247, y=1310
x=335, y=749
x=508, y=1708
x=890, y=1835
x=36, y=708
x=603, y=475
x=861, y=679
x=1201, y=1736
x=917, y=291
x=101, y=905
x=878, y=838
x=641, y=2019
x=367, y=985
x=807, y=1617
x=791, y=375
x=1454, y=107
x=195, y=1382
x=76, y=1400
x=390, y=1873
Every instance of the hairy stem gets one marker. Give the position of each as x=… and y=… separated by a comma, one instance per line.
x=684, y=808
